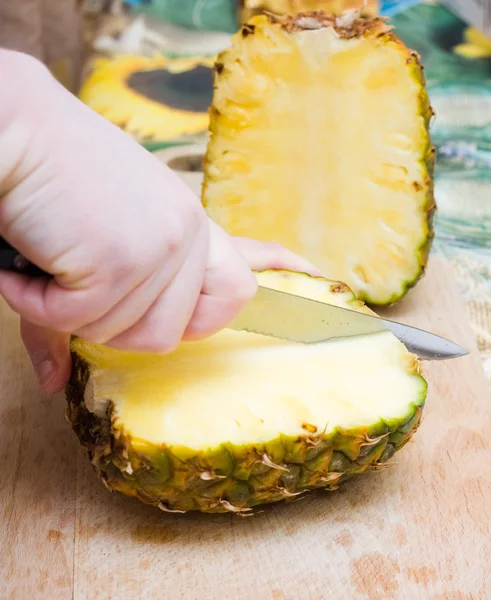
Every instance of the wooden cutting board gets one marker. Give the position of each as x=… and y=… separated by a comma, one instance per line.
x=418, y=530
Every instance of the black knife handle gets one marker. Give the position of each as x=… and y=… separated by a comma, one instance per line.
x=11, y=260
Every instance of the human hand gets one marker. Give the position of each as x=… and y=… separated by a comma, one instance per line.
x=49, y=349
x=136, y=263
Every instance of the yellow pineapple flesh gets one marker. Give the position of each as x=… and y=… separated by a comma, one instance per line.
x=319, y=140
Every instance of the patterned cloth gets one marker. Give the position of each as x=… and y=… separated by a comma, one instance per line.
x=457, y=61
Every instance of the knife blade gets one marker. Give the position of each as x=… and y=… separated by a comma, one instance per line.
x=296, y=318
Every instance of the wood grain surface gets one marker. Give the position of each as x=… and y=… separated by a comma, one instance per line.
x=417, y=530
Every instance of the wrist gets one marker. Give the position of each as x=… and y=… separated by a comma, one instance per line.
x=25, y=104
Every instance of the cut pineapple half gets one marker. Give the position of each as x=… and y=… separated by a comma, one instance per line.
x=319, y=140
x=241, y=419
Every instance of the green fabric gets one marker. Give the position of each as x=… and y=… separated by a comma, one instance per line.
x=460, y=92
x=434, y=32
x=204, y=15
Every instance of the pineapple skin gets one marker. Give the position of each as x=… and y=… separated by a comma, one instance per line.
x=375, y=27
x=230, y=478
x=234, y=478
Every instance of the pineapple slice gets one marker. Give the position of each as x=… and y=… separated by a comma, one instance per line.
x=319, y=140
x=239, y=419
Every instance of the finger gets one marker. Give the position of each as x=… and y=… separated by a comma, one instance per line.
x=49, y=352
x=85, y=308
x=35, y=298
x=134, y=305
x=222, y=299
x=262, y=256
x=228, y=285
x=126, y=313
x=162, y=326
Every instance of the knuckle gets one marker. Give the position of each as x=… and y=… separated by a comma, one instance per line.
x=119, y=272
x=244, y=290
x=182, y=230
x=247, y=290
x=177, y=235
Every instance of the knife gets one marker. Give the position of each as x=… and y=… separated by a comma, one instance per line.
x=294, y=318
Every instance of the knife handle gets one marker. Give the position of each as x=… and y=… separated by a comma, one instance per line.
x=11, y=260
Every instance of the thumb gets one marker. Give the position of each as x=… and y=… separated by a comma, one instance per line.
x=262, y=256
x=49, y=352
x=227, y=286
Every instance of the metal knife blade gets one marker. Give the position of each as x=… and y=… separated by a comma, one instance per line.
x=295, y=318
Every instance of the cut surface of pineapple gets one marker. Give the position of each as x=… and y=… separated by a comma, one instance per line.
x=238, y=406
x=241, y=388
x=319, y=140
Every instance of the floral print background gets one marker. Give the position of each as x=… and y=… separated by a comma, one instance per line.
x=457, y=60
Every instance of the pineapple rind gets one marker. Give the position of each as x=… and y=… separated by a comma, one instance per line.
x=428, y=162
x=228, y=477
x=233, y=477
x=373, y=27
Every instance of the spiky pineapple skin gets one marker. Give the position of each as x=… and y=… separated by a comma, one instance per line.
x=230, y=478
x=366, y=27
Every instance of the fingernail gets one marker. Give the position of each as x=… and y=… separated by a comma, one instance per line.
x=44, y=366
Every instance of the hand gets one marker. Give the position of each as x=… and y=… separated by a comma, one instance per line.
x=136, y=263
x=49, y=349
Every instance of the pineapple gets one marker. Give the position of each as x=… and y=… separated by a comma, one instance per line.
x=239, y=419
x=319, y=140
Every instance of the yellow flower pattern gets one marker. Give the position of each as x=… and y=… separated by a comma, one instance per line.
x=476, y=45
x=106, y=90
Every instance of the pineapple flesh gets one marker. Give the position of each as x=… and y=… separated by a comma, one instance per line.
x=239, y=419
x=319, y=140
